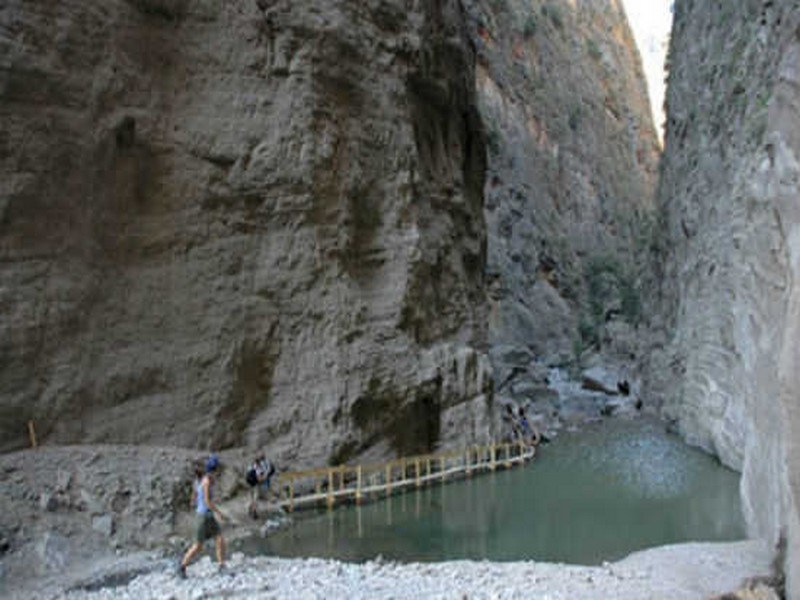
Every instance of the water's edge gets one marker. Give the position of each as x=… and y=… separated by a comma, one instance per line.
x=598, y=495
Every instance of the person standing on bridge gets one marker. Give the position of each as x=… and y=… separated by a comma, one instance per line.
x=207, y=526
x=527, y=434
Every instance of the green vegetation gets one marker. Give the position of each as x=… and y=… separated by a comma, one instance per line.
x=493, y=141
x=578, y=348
x=631, y=303
x=593, y=49
x=601, y=275
x=343, y=453
x=588, y=333
x=574, y=118
x=610, y=290
x=756, y=128
x=530, y=26
x=553, y=12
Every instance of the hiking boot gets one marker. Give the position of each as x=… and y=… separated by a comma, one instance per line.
x=222, y=569
x=180, y=571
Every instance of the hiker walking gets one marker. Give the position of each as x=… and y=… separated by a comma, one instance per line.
x=207, y=526
x=258, y=477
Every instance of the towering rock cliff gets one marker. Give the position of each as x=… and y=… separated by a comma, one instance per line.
x=729, y=251
x=569, y=193
x=324, y=228
x=242, y=222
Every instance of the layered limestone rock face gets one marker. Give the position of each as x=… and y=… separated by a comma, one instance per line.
x=271, y=223
x=569, y=191
x=228, y=223
x=728, y=252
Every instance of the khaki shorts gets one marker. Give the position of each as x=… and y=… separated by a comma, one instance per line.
x=207, y=527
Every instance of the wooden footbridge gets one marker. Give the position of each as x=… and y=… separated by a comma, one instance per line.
x=346, y=483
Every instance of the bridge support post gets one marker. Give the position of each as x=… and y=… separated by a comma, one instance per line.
x=32, y=434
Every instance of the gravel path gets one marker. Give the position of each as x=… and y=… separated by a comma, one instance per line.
x=59, y=506
x=686, y=571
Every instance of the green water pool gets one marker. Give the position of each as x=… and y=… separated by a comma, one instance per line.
x=588, y=497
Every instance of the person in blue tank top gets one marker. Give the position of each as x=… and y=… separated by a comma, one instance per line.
x=207, y=526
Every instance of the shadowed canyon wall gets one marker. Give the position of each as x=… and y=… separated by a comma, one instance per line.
x=242, y=222
x=727, y=253
x=307, y=226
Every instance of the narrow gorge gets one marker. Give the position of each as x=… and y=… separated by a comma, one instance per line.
x=724, y=362
x=346, y=230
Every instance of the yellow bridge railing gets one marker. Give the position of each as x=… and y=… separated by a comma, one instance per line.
x=329, y=485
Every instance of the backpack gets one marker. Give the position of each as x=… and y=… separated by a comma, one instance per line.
x=251, y=478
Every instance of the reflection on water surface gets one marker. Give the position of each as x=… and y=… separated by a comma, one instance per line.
x=588, y=497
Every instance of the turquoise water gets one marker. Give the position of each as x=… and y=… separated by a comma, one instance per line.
x=598, y=495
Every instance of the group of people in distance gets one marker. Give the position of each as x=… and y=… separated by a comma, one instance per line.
x=520, y=428
x=258, y=477
x=208, y=515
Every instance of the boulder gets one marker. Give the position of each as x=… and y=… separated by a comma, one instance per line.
x=52, y=551
x=63, y=480
x=90, y=503
x=515, y=356
x=600, y=379
x=48, y=502
x=103, y=524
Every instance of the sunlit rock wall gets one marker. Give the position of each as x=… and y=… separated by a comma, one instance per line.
x=242, y=223
x=728, y=253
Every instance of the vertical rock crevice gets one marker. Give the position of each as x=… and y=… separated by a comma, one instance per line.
x=445, y=291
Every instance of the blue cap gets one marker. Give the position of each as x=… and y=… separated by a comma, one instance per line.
x=212, y=463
